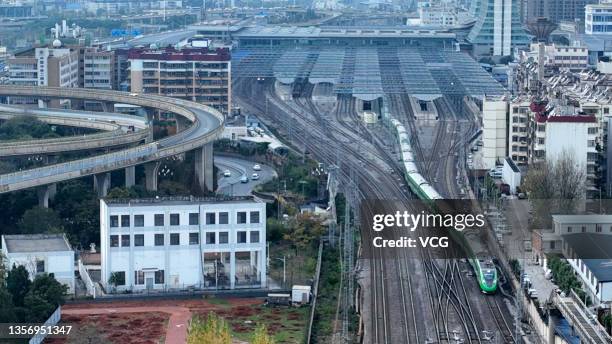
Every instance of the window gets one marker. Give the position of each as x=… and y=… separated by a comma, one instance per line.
x=139, y=240
x=241, y=237
x=125, y=220
x=583, y=229
x=242, y=217
x=159, y=277
x=223, y=218
x=159, y=240
x=569, y=229
x=159, y=220
x=138, y=220
x=254, y=236
x=40, y=266
x=210, y=218
x=598, y=228
x=139, y=277
x=210, y=238
x=114, y=241
x=174, y=220
x=254, y=217
x=194, y=219
x=119, y=277
x=194, y=238
x=114, y=221
x=174, y=239
x=223, y=237
x=606, y=110
x=125, y=240
x=552, y=245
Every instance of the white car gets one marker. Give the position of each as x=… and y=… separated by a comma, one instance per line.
x=244, y=179
x=255, y=176
x=256, y=167
x=227, y=173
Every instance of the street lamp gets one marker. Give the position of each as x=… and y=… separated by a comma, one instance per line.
x=284, y=260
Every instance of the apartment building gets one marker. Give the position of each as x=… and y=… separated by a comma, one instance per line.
x=518, y=138
x=598, y=18
x=573, y=58
x=44, y=66
x=181, y=243
x=199, y=74
x=98, y=69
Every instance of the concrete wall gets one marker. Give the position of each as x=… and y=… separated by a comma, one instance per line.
x=494, y=131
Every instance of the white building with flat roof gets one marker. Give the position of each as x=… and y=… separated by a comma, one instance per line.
x=41, y=253
x=181, y=243
x=494, y=137
x=598, y=18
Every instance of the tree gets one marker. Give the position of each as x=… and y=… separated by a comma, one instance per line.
x=213, y=330
x=18, y=283
x=304, y=229
x=40, y=220
x=7, y=309
x=47, y=287
x=555, y=186
x=79, y=208
x=261, y=336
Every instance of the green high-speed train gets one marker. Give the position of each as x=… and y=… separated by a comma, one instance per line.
x=484, y=269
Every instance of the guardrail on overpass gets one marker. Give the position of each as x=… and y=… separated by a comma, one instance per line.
x=207, y=125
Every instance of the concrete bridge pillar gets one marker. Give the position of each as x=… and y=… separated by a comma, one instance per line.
x=552, y=323
x=130, y=176
x=102, y=183
x=204, y=167
x=181, y=123
x=151, y=172
x=45, y=193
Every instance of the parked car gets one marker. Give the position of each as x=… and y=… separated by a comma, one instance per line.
x=254, y=176
x=227, y=173
x=256, y=167
x=244, y=179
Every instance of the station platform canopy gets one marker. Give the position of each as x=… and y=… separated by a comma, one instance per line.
x=423, y=72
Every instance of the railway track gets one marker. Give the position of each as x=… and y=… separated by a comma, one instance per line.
x=500, y=320
x=362, y=158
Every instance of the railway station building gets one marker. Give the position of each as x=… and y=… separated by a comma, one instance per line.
x=182, y=243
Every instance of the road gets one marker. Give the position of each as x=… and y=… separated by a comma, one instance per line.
x=207, y=124
x=239, y=168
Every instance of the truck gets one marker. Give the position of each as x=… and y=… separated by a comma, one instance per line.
x=300, y=294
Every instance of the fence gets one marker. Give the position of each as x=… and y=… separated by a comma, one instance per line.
x=89, y=284
x=315, y=292
x=53, y=320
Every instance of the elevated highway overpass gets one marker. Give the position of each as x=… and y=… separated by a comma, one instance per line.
x=118, y=130
x=205, y=124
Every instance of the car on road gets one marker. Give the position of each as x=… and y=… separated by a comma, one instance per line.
x=254, y=176
x=227, y=173
x=244, y=179
x=256, y=167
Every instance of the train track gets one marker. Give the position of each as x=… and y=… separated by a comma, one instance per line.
x=356, y=149
x=500, y=320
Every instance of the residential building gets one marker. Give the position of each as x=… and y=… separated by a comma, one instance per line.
x=555, y=10
x=180, y=243
x=598, y=18
x=115, y=7
x=498, y=28
x=437, y=15
x=98, y=69
x=41, y=253
x=573, y=236
x=573, y=58
x=518, y=138
x=202, y=75
x=44, y=66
